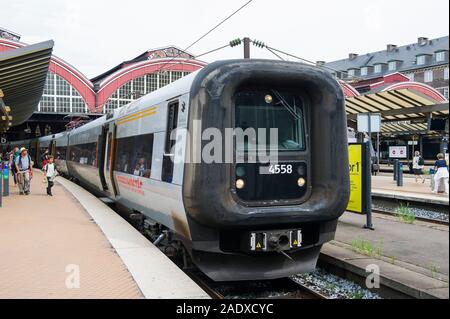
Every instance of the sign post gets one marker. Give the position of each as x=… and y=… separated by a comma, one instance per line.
x=368, y=123
x=360, y=182
x=1, y=183
x=5, y=179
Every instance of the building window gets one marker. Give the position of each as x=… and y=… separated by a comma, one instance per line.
x=176, y=75
x=49, y=87
x=445, y=92
x=138, y=87
x=378, y=68
x=421, y=60
x=440, y=56
x=152, y=82
x=410, y=76
x=78, y=105
x=351, y=72
x=364, y=71
x=392, y=65
x=47, y=104
x=428, y=76
x=59, y=96
x=62, y=104
x=164, y=78
x=446, y=73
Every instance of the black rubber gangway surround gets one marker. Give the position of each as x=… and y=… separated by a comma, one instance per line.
x=208, y=190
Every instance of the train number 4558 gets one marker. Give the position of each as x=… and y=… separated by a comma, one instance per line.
x=280, y=169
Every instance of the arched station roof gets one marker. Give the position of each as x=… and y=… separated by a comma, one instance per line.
x=77, y=79
x=96, y=92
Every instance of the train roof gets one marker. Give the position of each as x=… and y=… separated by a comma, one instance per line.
x=168, y=92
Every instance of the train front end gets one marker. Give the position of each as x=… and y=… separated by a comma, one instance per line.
x=266, y=177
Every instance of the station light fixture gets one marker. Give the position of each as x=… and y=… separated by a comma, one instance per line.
x=268, y=98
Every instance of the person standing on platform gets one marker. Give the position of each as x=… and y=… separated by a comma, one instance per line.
x=12, y=163
x=24, y=173
x=418, y=164
x=440, y=173
x=44, y=161
x=50, y=173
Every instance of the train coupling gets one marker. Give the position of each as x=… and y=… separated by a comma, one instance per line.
x=281, y=240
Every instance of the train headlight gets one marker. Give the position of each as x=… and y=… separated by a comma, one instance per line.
x=268, y=98
x=301, y=182
x=240, y=184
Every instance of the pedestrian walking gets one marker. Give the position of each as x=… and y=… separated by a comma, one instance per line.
x=24, y=171
x=50, y=173
x=440, y=173
x=418, y=164
x=44, y=161
x=12, y=163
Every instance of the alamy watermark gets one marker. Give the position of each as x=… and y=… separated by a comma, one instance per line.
x=373, y=277
x=73, y=278
x=213, y=145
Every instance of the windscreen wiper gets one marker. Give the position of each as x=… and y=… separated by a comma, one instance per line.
x=286, y=105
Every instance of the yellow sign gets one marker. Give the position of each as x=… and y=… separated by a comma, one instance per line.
x=356, y=180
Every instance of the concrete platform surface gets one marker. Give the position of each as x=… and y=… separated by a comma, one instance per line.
x=385, y=186
x=46, y=242
x=40, y=236
x=412, y=257
x=156, y=275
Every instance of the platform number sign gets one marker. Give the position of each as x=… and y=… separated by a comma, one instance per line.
x=355, y=203
x=398, y=151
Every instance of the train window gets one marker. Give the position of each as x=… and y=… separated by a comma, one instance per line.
x=172, y=122
x=270, y=109
x=85, y=154
x=134, y=155
x=108, y=151
x=61, y=153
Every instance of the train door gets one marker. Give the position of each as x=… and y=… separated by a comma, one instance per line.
x=107, y=167
x=168, y=157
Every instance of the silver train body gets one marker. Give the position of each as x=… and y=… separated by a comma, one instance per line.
x=272, y=227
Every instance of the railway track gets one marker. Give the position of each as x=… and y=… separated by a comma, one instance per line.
x=433, y=213
x=424, y=219
x=284, y=288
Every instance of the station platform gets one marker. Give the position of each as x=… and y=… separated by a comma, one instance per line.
x=385, y=186
x=413, y=258
x=72, y=245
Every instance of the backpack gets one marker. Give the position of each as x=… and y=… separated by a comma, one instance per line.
x=20, y=161
x=421, y=161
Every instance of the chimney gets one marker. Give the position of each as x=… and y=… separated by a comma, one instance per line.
x=352, y=56
x=391, y=47
x=422, y=40
x=320, y=63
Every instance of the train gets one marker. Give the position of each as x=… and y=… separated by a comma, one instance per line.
x=237, y=219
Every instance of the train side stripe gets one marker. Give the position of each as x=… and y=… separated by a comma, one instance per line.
x=136, y=118
x=137, y=114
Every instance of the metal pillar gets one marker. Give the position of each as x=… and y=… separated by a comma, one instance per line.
x=400, y=174
x=1, y=183
x=367, y=180
x=247, y=48
x=5, y=179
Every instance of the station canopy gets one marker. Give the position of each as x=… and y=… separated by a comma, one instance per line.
x=23, y=72
x=404, y=109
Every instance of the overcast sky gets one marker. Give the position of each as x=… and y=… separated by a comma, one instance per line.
x=94, y=35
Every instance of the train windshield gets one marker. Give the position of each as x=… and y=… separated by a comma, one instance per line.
x=270, y=109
